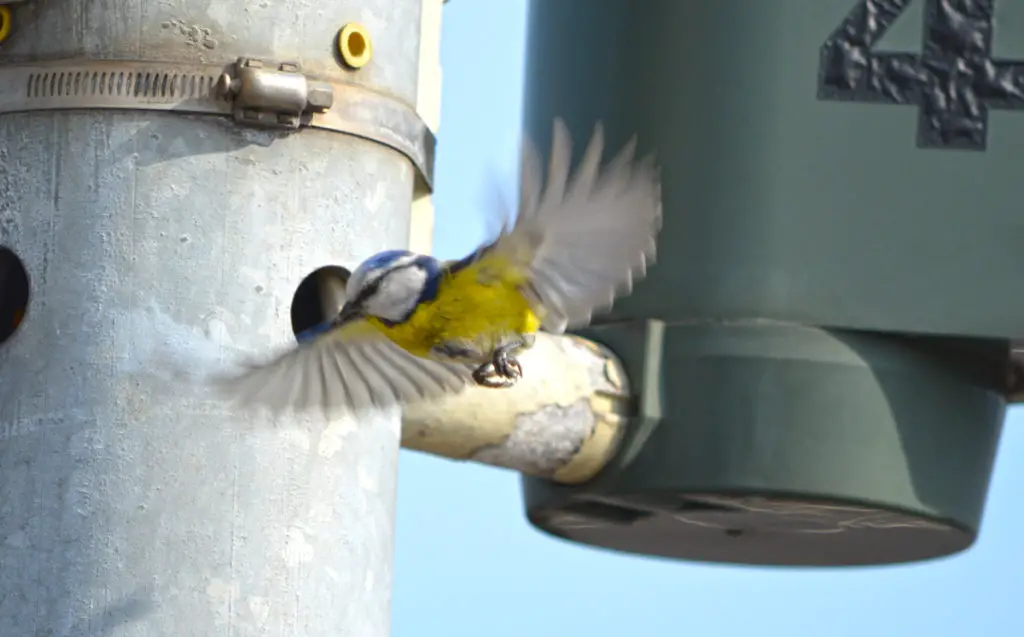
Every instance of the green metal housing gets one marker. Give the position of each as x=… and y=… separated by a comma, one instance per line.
x=822, y=353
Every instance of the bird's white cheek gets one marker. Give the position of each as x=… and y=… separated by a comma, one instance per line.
x=390, y=308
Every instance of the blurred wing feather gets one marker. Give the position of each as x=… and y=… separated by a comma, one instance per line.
x=581, y=240
x=352, y=368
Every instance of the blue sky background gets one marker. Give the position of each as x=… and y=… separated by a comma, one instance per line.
x=469, y=565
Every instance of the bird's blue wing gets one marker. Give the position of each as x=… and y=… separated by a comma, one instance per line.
x=579, y=240
x=347, y=369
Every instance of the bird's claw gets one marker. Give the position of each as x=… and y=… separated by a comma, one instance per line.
x=506, y=365
x=503, y=370
x=485, y=376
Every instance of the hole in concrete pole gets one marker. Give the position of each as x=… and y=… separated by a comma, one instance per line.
x=14, y=293
x=319, y=296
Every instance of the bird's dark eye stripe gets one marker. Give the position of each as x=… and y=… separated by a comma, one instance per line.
x=370, y=287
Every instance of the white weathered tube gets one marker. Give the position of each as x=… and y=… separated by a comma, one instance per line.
x=562, y=421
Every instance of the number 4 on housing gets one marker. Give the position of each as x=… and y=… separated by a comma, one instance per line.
x=953, y=81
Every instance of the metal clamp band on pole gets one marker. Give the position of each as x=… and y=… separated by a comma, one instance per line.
x=250, y=91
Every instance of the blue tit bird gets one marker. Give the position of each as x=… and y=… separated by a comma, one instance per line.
x=415, y=328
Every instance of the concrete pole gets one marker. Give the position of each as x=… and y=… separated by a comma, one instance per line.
x=129, y=506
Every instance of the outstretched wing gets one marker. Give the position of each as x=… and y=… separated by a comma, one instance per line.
x=350, y=368
x=579, y=241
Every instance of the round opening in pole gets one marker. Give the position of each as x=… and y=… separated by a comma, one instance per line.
x=319, y=297
x=14, y=293
x=354, y=45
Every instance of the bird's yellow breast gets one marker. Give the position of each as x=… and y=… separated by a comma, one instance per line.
x=480, y=304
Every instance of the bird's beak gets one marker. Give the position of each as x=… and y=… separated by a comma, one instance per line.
x=349, y=312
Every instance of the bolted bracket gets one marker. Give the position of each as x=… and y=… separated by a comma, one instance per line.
x=273, y=96
x=283, y=99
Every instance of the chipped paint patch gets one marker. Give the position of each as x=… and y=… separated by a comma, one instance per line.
x=333, y=436
x=259, y=607
x=542, y=441
x=158, y=345
x=297, y=549
x=368, y=480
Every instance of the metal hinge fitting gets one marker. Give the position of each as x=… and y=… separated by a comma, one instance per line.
x=280, y=97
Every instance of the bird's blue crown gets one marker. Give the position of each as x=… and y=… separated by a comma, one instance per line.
x=386, y=259
x=379, y=261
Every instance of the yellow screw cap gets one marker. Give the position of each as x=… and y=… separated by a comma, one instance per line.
x=354, y=45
